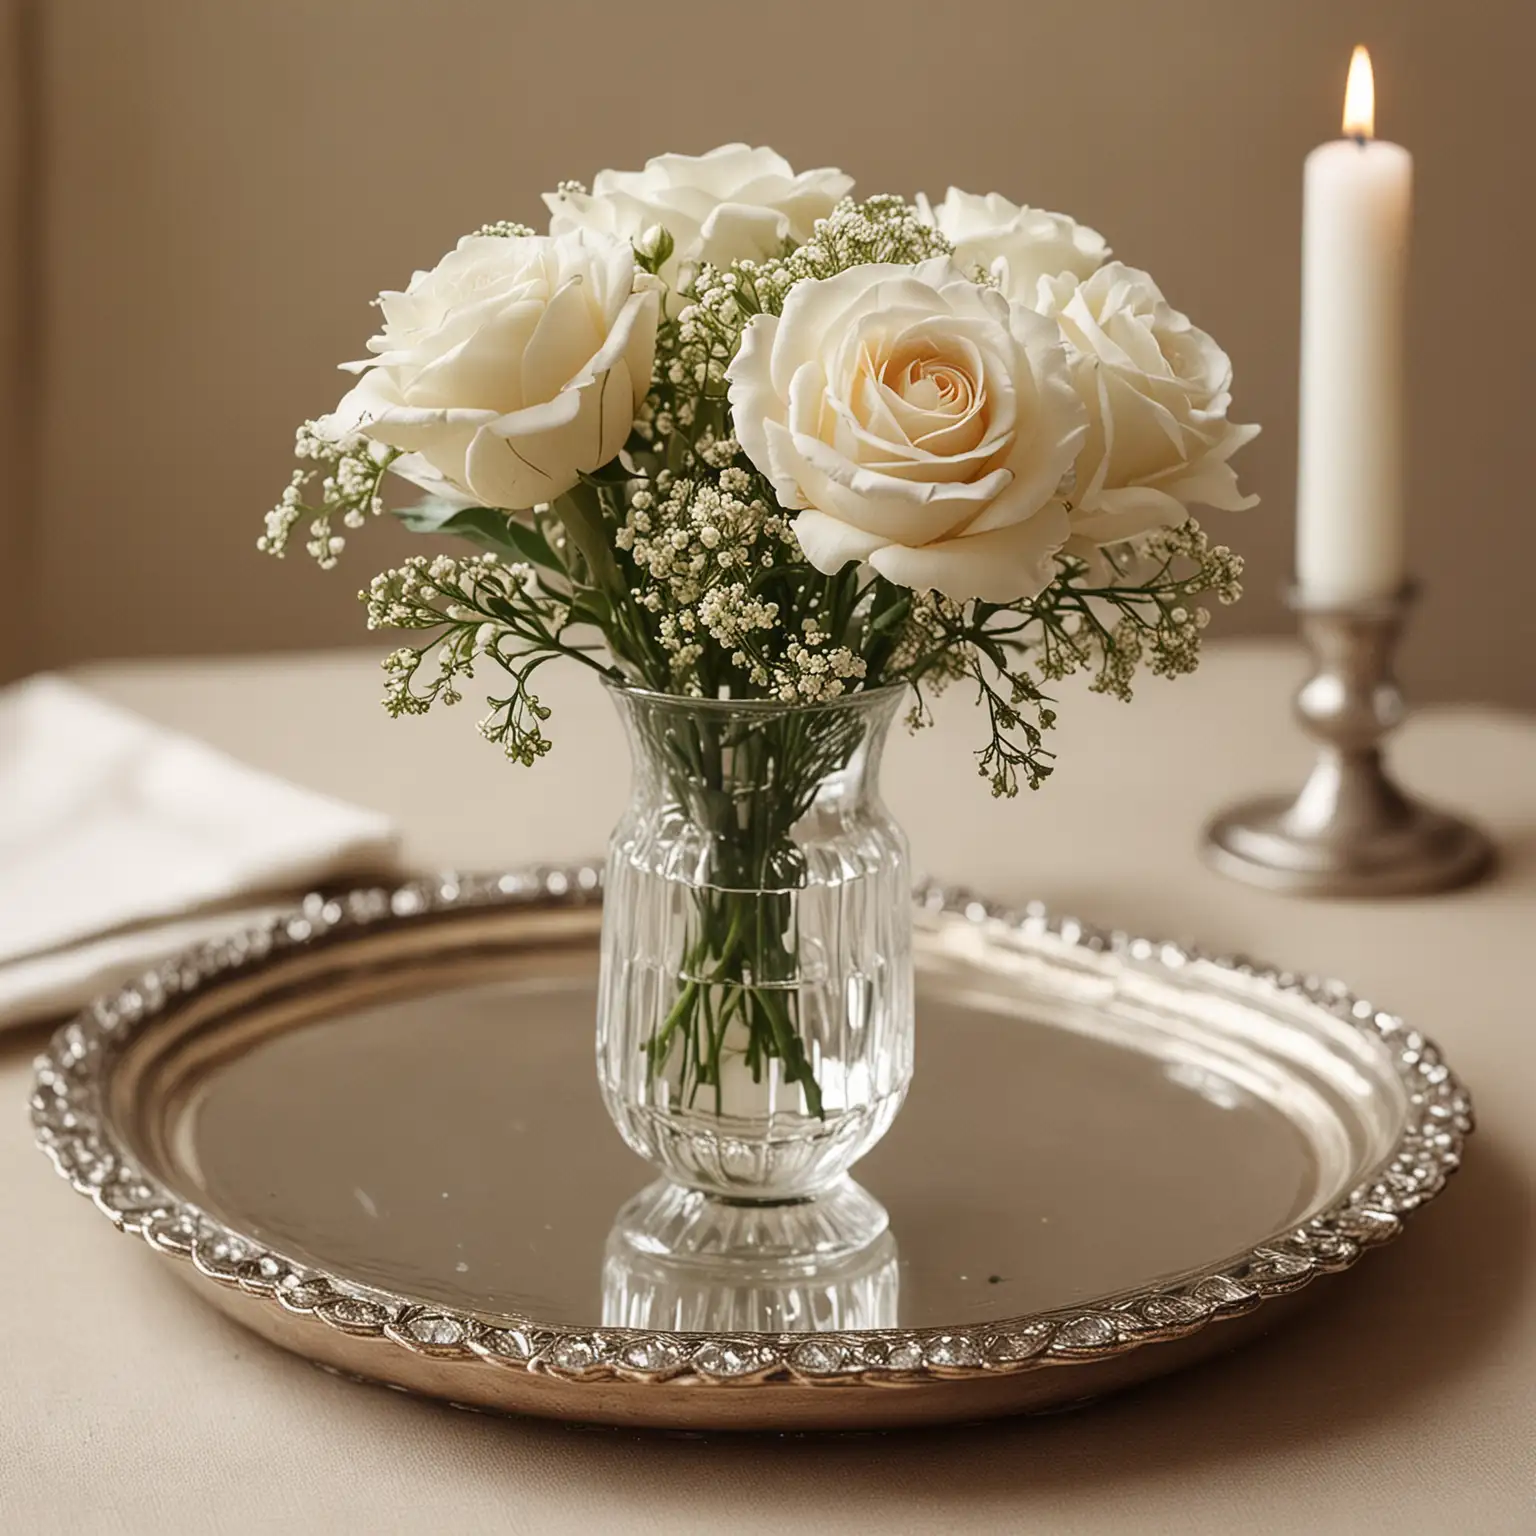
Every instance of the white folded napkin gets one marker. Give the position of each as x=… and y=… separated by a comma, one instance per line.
x=122, y=842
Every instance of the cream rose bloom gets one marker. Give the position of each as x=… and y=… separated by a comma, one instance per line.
x=511, y=368
x=1017, y=245
x=732, y=204
x=1157, y=390
x=917, y=421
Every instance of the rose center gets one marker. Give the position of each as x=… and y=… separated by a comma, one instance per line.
x=931, y=383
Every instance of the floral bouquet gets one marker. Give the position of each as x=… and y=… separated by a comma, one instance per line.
x=768, y=458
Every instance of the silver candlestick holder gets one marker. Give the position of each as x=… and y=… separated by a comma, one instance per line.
x=1351, y=831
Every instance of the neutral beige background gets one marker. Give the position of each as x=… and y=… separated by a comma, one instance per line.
x=226, y=183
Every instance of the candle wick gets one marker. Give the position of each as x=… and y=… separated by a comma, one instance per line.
x=1360, y=139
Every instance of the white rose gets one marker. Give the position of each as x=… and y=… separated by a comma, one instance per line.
x=511, y=368
x=1017, y=245
x=1157, y=390
x=732, y=204
x=917, y=421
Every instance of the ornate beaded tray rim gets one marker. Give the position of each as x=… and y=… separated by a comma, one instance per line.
x=71, y=1126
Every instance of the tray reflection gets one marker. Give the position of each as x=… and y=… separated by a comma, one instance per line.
x=450, y=1145
x=677, y=1261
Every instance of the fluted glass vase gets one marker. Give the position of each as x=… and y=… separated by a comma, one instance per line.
x=754, y=1033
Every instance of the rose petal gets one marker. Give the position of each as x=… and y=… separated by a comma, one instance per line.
x=442, y=438
x=569, y=331
x=531, y=456
x=829, y=544
x=754, y=402
x=739, y=232
x=903, y=511
x=1003, y=566
x=1127, y=513
x=483, y=368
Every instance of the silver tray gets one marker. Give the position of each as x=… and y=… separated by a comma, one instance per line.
x=371, y=1132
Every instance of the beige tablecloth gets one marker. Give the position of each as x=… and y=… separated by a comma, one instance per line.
x=1403, y=1400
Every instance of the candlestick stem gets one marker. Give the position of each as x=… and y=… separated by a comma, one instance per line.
x=1351, y=831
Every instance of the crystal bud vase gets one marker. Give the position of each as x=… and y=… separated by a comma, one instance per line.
x=754, y=1031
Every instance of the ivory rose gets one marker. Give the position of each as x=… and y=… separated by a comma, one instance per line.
x=1017, y=245
x=731, y=204
x=511, y=368
x=1157, y=390
x=917, y=421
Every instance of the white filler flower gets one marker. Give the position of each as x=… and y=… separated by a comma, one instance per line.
x=917, y=421
x=510, y=369
x=732, y=204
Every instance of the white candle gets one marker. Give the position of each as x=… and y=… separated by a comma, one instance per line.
x=1349, y=537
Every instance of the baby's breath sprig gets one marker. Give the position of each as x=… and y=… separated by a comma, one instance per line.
x=1018, y=715
x=1134, y=607
x=351, y=471
x=884, y=228
x=1138, y=605
x=477, y=607
x=944, y=642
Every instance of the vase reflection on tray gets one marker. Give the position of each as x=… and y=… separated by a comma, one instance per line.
x=678, y=1260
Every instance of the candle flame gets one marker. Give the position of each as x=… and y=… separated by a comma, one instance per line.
x=1360, y=98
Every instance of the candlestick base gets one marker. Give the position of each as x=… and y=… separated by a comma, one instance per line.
x=1266, y=843
x=1351, y=831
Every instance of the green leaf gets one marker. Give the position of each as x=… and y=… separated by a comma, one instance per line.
x=531, y=545
x=487, y=526
x=890, y=617
x=431, y=515
x=583, y=525
x=589, y=606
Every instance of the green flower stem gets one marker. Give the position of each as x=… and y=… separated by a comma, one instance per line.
x=744, y=784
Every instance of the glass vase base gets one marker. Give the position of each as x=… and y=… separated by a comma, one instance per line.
x=691, y=1229
x=786, y=1157
x=679, y=1260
